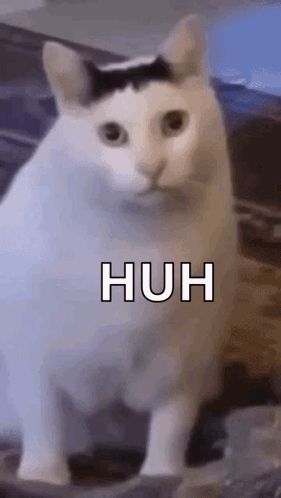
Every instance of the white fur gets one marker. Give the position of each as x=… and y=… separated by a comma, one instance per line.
x=77, y=203
x=128, y=63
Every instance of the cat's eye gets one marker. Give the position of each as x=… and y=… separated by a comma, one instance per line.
x=173, y=123
x=113, y=134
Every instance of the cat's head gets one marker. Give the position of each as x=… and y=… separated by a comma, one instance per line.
x=140, y=121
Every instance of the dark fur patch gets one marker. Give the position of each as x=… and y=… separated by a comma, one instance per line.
x=104, y=82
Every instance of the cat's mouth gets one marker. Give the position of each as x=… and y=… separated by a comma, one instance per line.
x=165, y=191
x=165, y=197
x=156, y=199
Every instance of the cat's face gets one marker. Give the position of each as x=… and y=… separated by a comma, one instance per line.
x=137, y=121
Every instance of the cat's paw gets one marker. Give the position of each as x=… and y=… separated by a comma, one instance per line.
x=56, y=473
x=155, y=469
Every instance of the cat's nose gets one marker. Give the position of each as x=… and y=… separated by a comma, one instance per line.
x=153, y=171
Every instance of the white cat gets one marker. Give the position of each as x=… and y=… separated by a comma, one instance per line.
x=135, y=169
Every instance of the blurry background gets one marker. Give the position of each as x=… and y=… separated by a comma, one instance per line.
x=244, y=34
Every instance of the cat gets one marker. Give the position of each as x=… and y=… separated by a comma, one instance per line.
x=135, y=168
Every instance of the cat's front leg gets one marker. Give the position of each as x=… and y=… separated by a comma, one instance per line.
x=170, y=428
x=43, y=457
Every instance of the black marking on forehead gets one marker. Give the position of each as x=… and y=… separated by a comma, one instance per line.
x=104, y=82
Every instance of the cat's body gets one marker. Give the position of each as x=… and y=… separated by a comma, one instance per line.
x=63, y=217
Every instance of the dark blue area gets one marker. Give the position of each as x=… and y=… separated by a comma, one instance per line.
x=245, y=45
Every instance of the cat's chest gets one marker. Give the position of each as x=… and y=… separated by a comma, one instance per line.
x=83, y=251
x=122, y=236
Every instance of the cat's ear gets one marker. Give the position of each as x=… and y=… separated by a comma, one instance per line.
x=186, y=48
x=67, y=75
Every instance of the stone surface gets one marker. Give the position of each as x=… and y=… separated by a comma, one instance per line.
x=251, y=462
x=266, y=486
